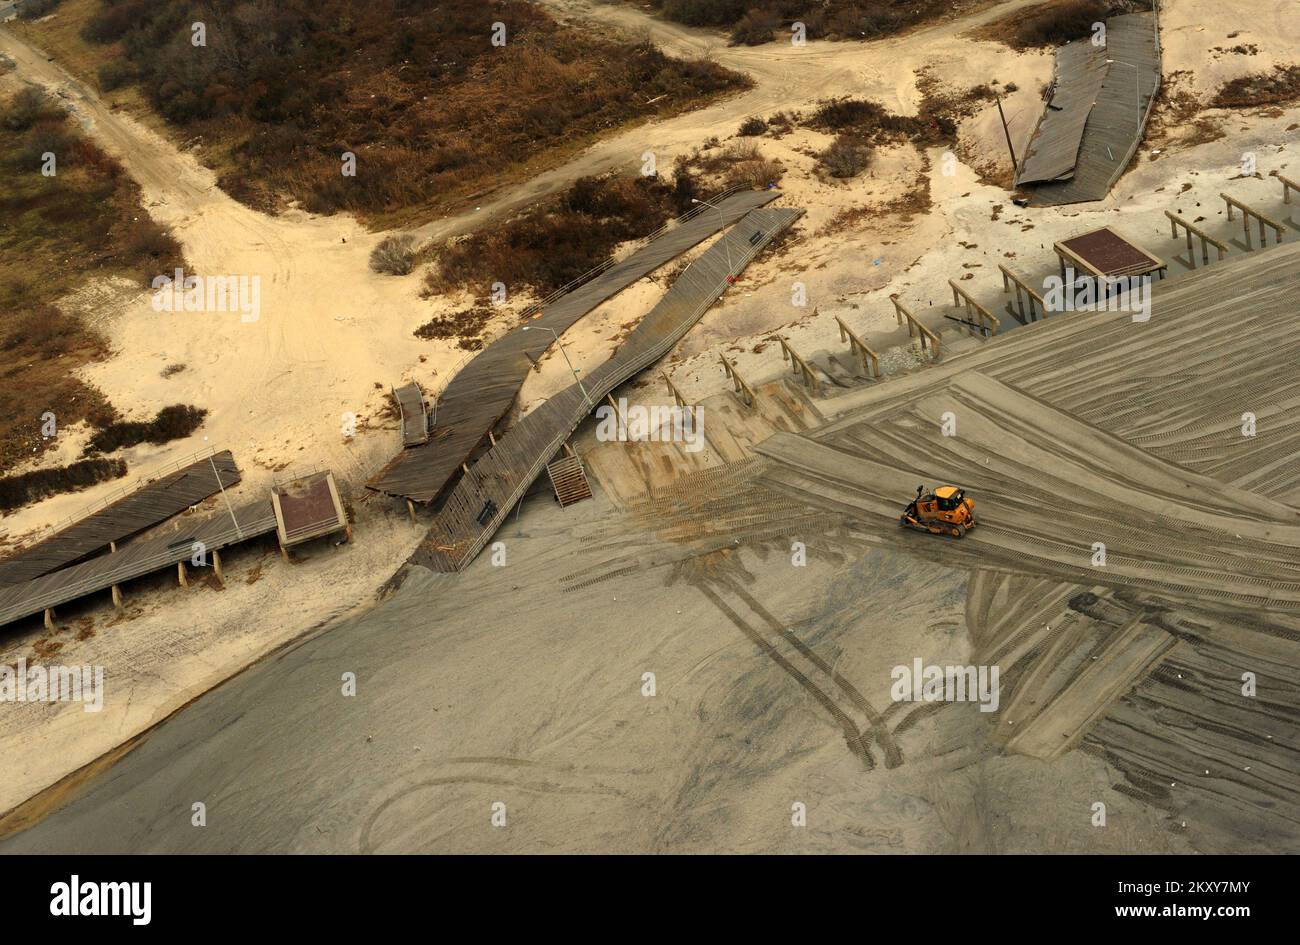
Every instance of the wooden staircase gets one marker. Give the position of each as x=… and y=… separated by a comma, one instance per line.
x=569, y=480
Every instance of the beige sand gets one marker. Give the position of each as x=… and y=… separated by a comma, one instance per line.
x=330, y=330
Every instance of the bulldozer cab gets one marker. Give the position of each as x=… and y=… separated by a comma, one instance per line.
x=948, y=498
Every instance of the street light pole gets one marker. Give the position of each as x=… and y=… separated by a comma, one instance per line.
x=1137, y=83
x=585, y=395
x=725, y=244
x=212, y=459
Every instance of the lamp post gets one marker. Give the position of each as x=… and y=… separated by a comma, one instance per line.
x=725, y=245
x=1137, y=83
x=212, y=459
x=585, y=395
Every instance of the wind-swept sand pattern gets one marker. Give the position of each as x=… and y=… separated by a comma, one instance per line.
x=1132, y=600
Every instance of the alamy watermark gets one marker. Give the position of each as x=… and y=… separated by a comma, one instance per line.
x=1098, y=294
x=921, y=683
x=654, y=424
x=181, y=293
x=23, y=683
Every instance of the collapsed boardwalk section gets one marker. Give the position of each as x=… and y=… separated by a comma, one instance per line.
x=121, y=516
x=299, y=510
x=481, y=394
x=481, y=500
x=1091, y=126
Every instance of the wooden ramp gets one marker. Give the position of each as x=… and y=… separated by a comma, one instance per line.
x=123, y=513
x=569, y=480
x=481, y=500
x=481, y=394
x=415, y=420
x=1114, y=123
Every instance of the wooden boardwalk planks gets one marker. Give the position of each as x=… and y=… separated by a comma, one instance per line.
x=152, y=503
x=1054, y=147
x=1116, y=121
x=501, y=475
x=209, y=534
x=480, y=394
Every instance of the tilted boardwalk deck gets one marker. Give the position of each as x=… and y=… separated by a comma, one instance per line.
x=415, y=422
x=143, y=508
x=136, y=560
x=1054, y=148
x=480, y=394
x=503, y=474
x=1116, y=122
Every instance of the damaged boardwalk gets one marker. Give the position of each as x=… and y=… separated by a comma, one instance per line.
x=480, y=501
x=483, y=391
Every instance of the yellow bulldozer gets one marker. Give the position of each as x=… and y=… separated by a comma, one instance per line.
x=946, y=511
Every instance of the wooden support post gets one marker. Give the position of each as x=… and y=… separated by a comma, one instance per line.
x=678, y=399
x=799, y=366
x=870, y=360
x=915, y=328
x=741, y=385
x=1288, y=185
x=50, y=625
x=284, y=553
x=181, y=576
x=216, y=568
x=492, y=438
x=115, y=591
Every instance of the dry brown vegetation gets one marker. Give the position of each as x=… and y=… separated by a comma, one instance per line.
x=56, y=232
x=860, y=125
x=466, y=327
x=1279, y=87
x=170, y=423
x=553, y=243
x=847, y=156
x=1055, y=23
x=431, y=109
x=738, y=164
x=752, y=22
x=81, y=222
x=17, y=491
x=394, y=255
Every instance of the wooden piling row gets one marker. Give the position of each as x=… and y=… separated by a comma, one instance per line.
x=869, y=359
x=1175, y=221
x=929, y=340
x=989, y=323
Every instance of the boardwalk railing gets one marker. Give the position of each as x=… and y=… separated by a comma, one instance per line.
x=740, y=385
x=988, y=322
x=1247, y=212
x=1029, y=305
x=915, y=328
x=1175, y=221
x=121, y=492
x=870, y=360
x=799, y=366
